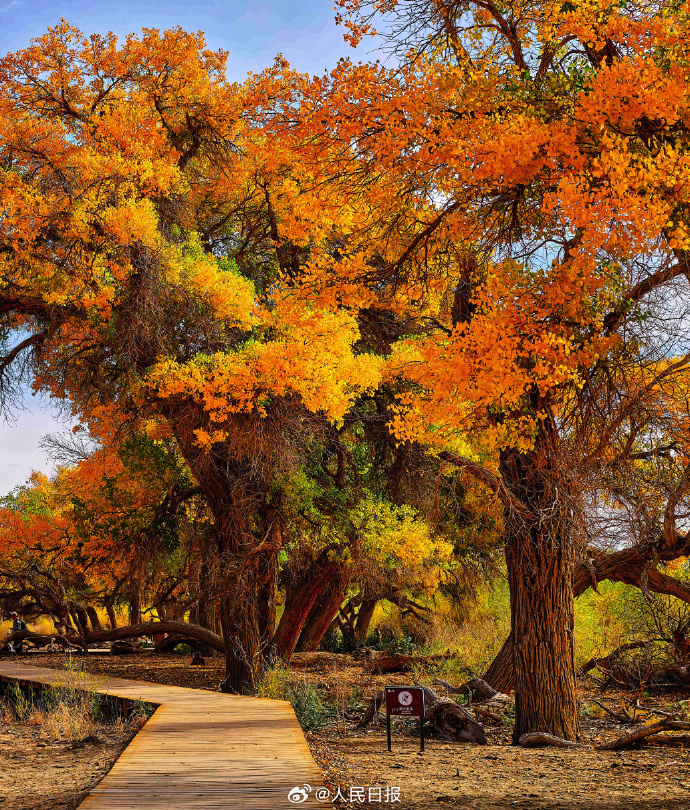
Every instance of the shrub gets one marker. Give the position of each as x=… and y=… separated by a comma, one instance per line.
x=310, y=708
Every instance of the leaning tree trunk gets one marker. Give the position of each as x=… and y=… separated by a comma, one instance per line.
x=323, y=612
x=300, y=599
x=540, y=557
x=112, y=619
x=500, y=672
x=93, y=617
x=364, y=616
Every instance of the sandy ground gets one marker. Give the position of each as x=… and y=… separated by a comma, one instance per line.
x=497, y=775
x=37, y=774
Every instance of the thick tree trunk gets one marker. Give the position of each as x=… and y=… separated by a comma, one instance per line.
x=364, y=616
x=135, y=606
x=323, y=612
x=299, y=601
x=247, y=609
x=540, y=559
x=247, y=531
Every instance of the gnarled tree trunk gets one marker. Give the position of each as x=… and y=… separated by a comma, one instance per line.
x=247, y=532
x=540, y=558
x=247, y=607
x=629, y=565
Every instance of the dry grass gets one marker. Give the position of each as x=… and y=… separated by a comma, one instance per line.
x=67, y=712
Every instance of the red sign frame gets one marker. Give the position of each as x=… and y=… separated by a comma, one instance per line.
x=405, y=701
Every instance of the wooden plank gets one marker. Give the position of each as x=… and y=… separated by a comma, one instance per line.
x=199, y=750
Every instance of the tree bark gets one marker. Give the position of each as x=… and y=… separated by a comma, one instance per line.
x=540, y=559
x=364, y=616
x=207, y=608
x=500, y=674
x=112, y=619
x=93, y=617
x=323, y=612
x=135, y=606
x=247, y=608
x=130, y=631
x=247, y=532
x=299, y=601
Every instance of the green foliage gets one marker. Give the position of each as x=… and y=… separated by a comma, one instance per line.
x=19, y=702
x=26, y=501
x=311, y=709
x=602, y=620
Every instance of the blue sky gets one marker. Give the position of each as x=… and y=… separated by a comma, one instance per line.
x=304, y=32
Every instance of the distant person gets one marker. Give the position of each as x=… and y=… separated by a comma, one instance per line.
x=17, y=626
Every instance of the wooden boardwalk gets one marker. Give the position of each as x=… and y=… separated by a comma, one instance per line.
x=200, y=749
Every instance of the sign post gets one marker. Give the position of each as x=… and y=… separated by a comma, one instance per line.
x=405, y=701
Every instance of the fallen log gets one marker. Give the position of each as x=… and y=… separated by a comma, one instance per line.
x=189, y=631
x=402, y=663
x=125, y=648
x=310, y=659
x=451, y=721
x=475, y=687
x=624, y=718
x=606, y=661
x=454, y=724
x=169, y=643
x=193, y=631
x=491, y=701
x=39, y=639
x=536, y=739
x=489, y=715
x=639, y=735
x=675, y=740
x=372, y=709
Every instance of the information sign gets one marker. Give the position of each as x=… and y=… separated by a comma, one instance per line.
x=405, y=701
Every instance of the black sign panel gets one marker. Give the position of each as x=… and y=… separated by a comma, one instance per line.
x=405, y=701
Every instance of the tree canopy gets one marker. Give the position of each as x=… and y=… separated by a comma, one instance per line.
x=482, y=250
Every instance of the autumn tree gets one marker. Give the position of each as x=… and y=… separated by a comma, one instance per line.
x=113, y=531
x=515, y=188
x=144, y=275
